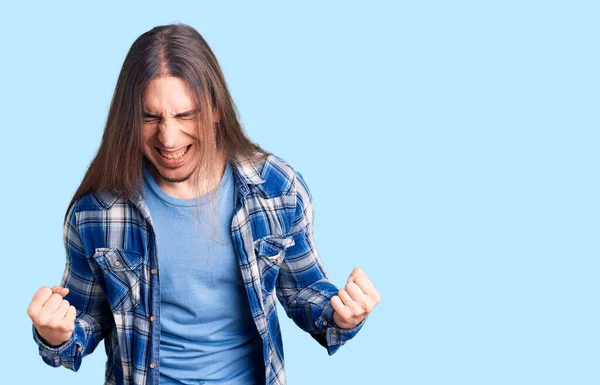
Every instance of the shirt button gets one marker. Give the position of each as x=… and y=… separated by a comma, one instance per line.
x=325, y=323
x=152, y=318
x=117, y=263
x=153, y=271
x=80, y=350
x=152, y=365
x=334, y=331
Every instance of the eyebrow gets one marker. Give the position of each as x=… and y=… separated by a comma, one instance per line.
x=179, y=115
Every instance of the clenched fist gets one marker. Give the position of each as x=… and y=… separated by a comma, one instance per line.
x=52, y=315
x=355, y=301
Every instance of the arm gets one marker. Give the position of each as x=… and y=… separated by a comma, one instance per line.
x=92, y=319
x=303, y=287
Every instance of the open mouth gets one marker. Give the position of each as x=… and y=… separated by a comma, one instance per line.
x=173, y=155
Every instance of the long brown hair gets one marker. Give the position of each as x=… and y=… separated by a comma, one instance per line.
x=168, y=50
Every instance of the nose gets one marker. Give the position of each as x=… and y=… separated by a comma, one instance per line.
x=168, y=132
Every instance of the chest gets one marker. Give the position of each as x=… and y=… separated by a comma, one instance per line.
x=123, y=246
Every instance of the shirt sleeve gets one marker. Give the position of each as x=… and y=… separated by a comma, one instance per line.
x=92, y=320
x=303, y=286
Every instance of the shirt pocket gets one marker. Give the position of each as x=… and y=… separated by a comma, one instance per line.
x=270, y=252
x=121, y=272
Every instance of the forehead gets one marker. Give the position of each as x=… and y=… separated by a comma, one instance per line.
x=167, y=94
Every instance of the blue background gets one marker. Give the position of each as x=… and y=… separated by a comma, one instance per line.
x=451, y=148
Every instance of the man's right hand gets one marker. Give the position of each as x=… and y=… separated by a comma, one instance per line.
x=52, y=315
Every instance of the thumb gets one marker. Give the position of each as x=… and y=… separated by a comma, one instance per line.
x=60, y=290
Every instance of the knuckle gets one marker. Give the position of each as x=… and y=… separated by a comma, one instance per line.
x=55, y=323
x=42, y=320
x=35, y=316
x=67, y=326
x=362, y=279
x=376, y=296
x=45, y=289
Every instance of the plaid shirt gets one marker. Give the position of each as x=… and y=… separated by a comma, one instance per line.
x=113, y=274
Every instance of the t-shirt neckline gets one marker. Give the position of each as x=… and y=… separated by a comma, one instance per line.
x=198, y=201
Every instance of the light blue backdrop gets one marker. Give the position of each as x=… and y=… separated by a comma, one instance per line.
x=451, y=148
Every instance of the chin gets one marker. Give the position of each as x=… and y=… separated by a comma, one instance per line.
x=172, y=175
x=180, y=174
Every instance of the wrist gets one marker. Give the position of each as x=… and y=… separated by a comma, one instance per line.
x=50, y=341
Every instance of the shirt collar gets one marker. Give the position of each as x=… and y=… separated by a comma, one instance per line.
x=247, y=171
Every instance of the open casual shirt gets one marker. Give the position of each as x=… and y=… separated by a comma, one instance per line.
x=112, y=272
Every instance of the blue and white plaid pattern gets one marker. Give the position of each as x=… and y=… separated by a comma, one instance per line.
x=113, y=275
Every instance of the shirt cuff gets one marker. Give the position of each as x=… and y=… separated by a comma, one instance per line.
x=334, y=336
x=56, y=355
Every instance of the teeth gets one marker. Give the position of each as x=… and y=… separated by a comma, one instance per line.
x=173, y=155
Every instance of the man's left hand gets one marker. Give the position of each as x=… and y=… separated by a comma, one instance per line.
x=355, y=301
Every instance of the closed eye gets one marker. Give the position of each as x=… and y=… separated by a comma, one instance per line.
x=187, y=115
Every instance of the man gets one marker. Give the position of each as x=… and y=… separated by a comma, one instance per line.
x=174, y=160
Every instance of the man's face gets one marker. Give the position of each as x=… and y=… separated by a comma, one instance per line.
x=169, y=131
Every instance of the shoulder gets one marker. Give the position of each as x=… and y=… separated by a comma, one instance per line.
x=94, y=201
x=104, y=220
x=99, y=208
x=280, y=178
